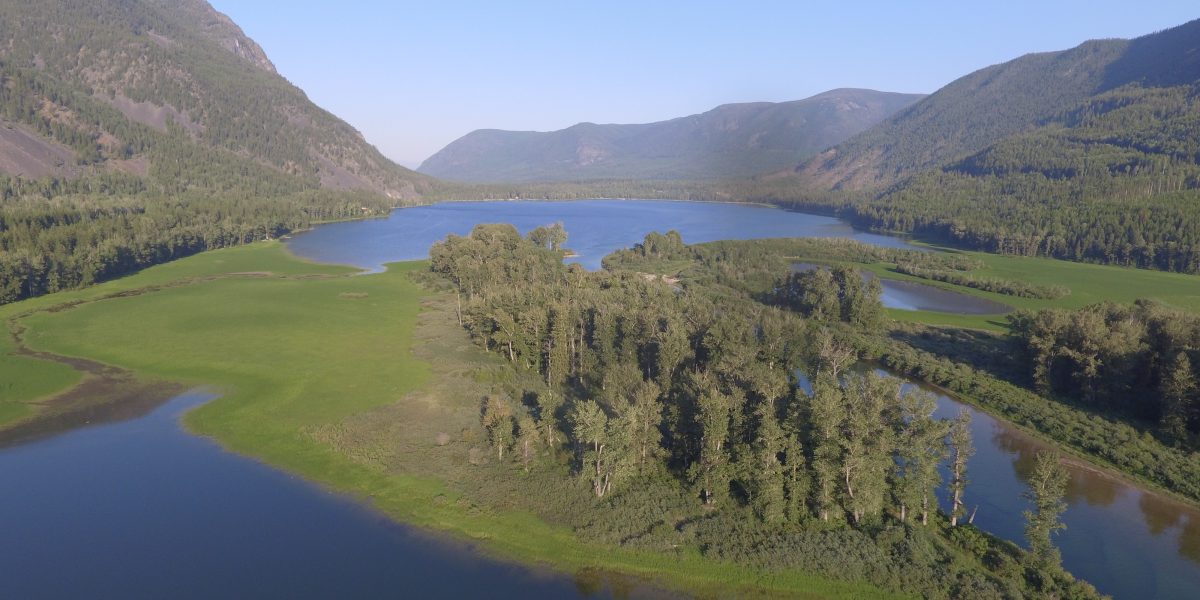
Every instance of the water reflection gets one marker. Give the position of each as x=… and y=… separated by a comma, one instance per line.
x=910, y=295
x=1128, y=542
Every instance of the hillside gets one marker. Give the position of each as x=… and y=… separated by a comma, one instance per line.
x=136, y=132
x=1088, y=154
x=139, y=88
x=733, y=140
x=1026, y=94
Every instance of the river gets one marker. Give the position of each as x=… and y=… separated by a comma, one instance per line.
x=140, y=508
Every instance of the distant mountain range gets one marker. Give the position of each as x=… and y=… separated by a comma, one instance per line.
x=172, y=93
x=1020, y=102
x=733, y=140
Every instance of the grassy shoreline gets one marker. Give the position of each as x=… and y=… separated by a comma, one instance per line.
x=294, y=347
x=212, y=320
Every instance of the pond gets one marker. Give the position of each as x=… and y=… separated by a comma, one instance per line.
x=910, y=295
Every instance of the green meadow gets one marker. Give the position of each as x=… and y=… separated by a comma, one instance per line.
x=296, y=350
x=1089, y=284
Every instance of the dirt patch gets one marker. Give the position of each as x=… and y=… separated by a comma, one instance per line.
x=151, y=114
x=107, y=394
x=25, y=153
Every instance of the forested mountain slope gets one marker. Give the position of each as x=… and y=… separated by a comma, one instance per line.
x=991, y=104
x=170, y=92
x=134, y=132
x=1087, y=154
x=733, y=140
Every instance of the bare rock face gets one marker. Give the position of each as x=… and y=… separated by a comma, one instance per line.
x=220, y=28
x=24, y=153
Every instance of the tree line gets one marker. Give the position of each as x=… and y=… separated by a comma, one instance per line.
x=1135, y=360
x=70, y=241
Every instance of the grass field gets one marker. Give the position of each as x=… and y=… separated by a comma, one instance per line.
x=298, y=350
x=1088, y=283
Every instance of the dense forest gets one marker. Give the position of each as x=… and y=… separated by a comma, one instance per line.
x=695, y=388
x=1137, y=360
x=996, y=374
x=1090, y=154
x=69, y=241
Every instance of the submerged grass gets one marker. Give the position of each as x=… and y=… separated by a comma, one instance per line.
x=298, y=350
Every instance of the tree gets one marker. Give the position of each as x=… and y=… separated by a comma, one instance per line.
x=866, y=440
x=711, y=471
x=1047, y=487
x=498, y=420
x=921, y=447
x=602, y=448
x=826, y=413
x=961, y=449
x=641, y=419
x=833, y=356
x=767, y=475
x=1178, y=391
x=529, y=438
x=548, y=404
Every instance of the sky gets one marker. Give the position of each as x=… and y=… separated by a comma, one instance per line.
x=415, y=76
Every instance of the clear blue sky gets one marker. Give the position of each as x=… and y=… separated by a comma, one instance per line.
x=414, y=76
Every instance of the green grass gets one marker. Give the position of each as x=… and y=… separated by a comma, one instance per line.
x=294, y=354
x=24, y=380
x=1088, y=283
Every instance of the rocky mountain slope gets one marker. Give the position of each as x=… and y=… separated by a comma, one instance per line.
x=149, y=88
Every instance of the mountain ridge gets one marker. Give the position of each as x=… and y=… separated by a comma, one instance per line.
x=991, y=104
x=730, y=140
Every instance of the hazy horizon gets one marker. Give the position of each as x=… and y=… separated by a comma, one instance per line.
x=415, y=79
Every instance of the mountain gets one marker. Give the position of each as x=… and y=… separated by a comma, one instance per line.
x=1088, y=154
x=171, y=93
x=733, y=140
x=1024, y=95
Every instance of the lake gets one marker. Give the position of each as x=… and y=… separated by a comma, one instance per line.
x=595, y=228
x=140, y=508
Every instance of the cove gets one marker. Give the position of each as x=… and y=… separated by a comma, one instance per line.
x=595, y=228
x=142, y=509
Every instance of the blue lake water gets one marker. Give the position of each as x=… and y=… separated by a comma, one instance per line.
x=595, y=227
x=141, y=509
